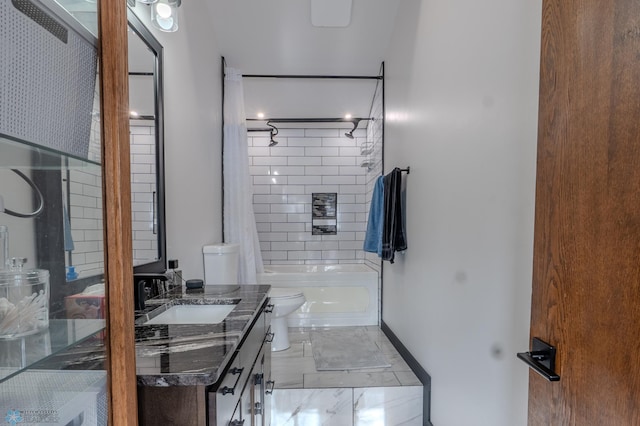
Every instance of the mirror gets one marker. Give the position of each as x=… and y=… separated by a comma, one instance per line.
x=147, y=148
x=67, y=237
x=81, y=192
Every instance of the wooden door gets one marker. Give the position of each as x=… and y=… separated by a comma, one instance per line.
x=586, y=277
x=114, y=119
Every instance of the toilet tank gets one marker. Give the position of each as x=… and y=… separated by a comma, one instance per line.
x=221, y=263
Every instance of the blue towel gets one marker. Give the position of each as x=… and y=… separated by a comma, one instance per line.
x=373, y=236
x=66, y=229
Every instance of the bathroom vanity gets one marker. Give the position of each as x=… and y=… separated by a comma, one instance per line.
x=216, y=373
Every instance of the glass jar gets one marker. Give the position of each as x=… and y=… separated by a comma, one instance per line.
x=24, y=302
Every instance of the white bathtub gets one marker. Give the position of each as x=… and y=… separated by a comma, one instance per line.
x=337, y=295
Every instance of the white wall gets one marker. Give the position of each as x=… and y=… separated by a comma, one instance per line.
x=461, y=102
x=192, y=99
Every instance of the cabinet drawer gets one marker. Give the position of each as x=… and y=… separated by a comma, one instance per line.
x=253, y=343
x=224, y=401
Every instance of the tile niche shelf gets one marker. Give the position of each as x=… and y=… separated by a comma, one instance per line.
x=324, y=213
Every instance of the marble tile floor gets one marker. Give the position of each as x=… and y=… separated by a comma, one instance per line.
x=372, y=397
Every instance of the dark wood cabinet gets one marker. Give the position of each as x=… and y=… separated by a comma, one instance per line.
x=241, y=394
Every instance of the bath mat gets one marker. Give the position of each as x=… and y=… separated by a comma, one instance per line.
x=345, y=350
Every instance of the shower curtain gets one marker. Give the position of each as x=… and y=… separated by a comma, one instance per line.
x=239, y=221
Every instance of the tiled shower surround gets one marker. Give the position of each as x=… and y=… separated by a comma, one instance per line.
x=85, y=214
x=375, y=146
x=85, y=208
x=143, y=191
x=285, y=176
x=308, y=161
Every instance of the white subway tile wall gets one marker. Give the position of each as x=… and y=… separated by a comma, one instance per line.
x=85, y=205
x=304, y=162
x=85, y=217
x=143, y=191
x=374, y=150
x=85, y=209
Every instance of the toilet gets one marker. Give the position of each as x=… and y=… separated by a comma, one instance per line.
x=221, y=267
x=221, y=263
x=284, y=301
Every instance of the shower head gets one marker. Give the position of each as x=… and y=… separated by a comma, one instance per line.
x=356, y=122
x=274, y=132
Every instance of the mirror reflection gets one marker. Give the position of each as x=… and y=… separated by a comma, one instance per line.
x=82, y=196
x=70, y=231
x=147, y=148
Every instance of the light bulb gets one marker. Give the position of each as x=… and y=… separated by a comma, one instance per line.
x=163, y=10
x=164, y=16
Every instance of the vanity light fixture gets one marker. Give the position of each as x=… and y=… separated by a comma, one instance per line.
x=164, y=15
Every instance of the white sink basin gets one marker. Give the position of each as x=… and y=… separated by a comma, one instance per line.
x=192, y=314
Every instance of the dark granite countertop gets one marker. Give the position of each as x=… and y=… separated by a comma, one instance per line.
x=194, y=354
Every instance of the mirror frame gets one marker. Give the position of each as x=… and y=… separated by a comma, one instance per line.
x=158, y=265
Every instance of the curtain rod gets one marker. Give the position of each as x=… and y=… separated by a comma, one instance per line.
x=311, y=120
x=302, y=76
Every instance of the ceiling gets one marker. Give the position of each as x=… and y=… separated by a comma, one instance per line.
x=277, y=37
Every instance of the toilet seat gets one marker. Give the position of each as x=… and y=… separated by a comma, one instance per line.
x=285, y=293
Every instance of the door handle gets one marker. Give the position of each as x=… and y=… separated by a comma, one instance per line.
x=257, y=379
x=542, y=359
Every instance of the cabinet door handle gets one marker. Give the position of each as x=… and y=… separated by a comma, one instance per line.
x=269, y=308
x=270, y=385
x=268, y=338
x=257, y=378
x=225, y=390
x=257, y=409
